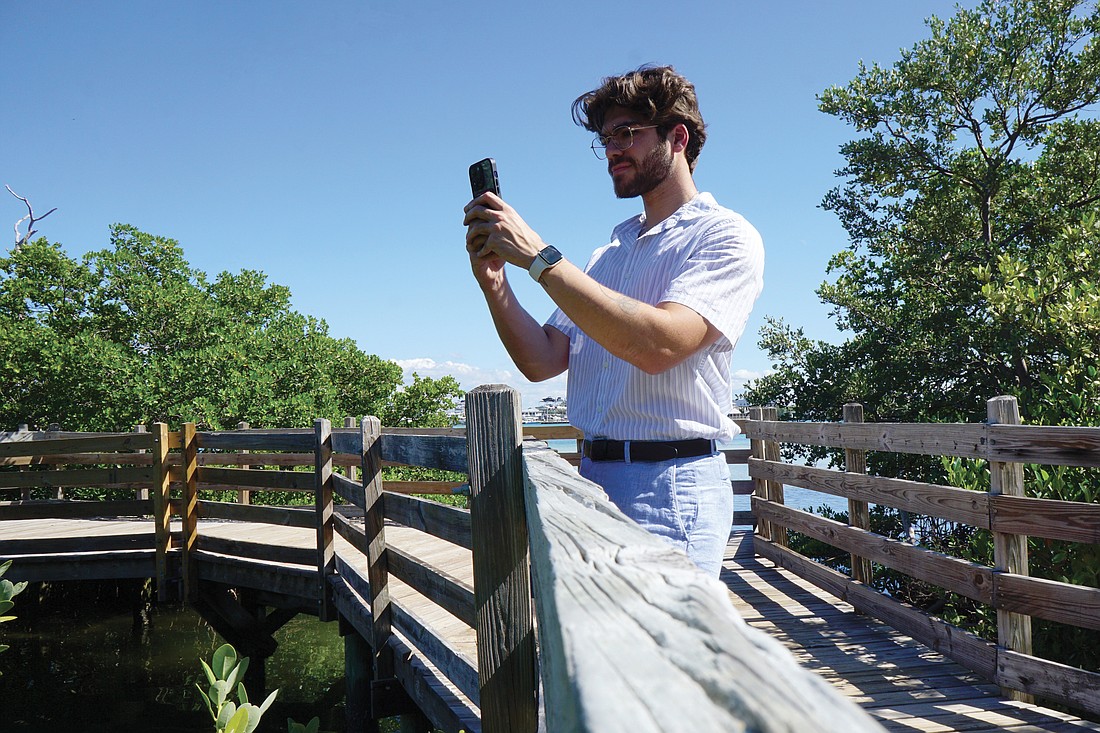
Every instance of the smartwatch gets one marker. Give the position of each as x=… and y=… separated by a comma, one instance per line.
x=547, y=257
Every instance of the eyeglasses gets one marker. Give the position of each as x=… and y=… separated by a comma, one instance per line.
x=621, y=138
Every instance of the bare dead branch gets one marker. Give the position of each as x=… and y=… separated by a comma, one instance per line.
x=20, y=240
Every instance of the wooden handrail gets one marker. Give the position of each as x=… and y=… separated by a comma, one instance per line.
x=633, y=637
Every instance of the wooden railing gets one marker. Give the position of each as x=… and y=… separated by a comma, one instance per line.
x=633, y=638
x=1005, y=510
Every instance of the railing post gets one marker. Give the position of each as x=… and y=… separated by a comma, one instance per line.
x=763, y=526
x=1009, y=550
x=141, y=494
x=189, y=442
x=244, y=496
x=58, y=492
x=507, y=671
x=351, y=422
x=162, y=506
x=24, y=494
x=859, y=515
x=768, y=490
x=326, y=551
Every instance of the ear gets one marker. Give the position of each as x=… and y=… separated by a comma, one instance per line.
x=680, y=138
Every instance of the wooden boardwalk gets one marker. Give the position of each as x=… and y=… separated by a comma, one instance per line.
x=903, y=684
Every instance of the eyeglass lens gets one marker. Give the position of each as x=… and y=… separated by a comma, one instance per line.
x=622, y=138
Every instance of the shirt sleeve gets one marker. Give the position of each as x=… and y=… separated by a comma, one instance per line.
x=722, y=278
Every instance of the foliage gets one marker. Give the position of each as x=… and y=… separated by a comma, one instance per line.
x=134, y=334
x=970, y=198
x=224, y=675
x=974, y=183
x=8, y=591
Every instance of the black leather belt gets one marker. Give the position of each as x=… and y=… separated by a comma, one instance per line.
x=601, y=449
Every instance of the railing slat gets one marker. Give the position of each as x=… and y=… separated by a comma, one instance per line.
x=434, y=451
x=445, y=522
x=946, y=502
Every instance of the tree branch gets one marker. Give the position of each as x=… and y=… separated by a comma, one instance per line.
x=20, y=240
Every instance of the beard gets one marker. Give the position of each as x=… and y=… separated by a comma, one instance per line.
x=649, y=173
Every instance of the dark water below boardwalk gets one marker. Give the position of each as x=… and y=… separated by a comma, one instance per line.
x=82, y=669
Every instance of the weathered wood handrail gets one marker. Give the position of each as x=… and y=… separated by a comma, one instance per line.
x=1004, y=510
x=634, y=638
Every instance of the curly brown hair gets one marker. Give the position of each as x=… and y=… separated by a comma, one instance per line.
x=658, y=93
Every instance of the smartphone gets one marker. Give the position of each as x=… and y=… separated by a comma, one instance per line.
x=483, y=177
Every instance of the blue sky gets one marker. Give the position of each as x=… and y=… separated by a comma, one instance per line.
x=327, y=143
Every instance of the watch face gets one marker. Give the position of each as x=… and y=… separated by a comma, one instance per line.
x=550, y=254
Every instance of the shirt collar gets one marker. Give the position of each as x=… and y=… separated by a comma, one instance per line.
x=699, y=205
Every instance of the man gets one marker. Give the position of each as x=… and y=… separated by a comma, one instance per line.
x=647, y=330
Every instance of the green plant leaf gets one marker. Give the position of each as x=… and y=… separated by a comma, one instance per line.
x=239, y=722
x=224, y=660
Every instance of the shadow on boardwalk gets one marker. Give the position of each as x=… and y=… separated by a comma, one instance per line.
x=903, y=684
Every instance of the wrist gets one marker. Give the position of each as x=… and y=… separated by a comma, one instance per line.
x=547, y=258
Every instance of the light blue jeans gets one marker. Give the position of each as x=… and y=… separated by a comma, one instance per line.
x=685, y=501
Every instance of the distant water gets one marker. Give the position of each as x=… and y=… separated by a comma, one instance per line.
x=792, y=495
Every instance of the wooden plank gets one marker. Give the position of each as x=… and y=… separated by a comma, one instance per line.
x=1049, y=445
x=947, y=502
x=190, y=533
x=67, y=545
x=281, y=440
x=93, y=566
x=446, y=709
x=506, y=661
x=1049, y=599
x=75, y=477
x=81, y=459
x=442, y=588
x=432, y=451
x=737, y=456
x=951, y=641
x=1072, y=521
x=70, y=509
x=292, y=582
x=1059, y=682
x=453, y=663
x=160, y=491
x=378, y=559
x=456, y=666
x=633, y=637
x=966, y=578
x=1009, y=550
x=275, y=515
x=42, y=444
x=563, y=431
x=325, y=549
x=444, y=488
x=273, y=480
x=350, y=491
x=258, y=550
x=937, y=439
x=347, y=441
x=855, y=462
x=760, y=484
x=439, y=520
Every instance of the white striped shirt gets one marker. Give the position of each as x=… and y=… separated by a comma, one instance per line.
x=705, y=257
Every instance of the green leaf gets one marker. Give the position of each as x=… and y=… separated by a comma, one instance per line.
x=239, y=722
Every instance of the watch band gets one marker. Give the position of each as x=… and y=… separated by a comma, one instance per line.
x=547, y=257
